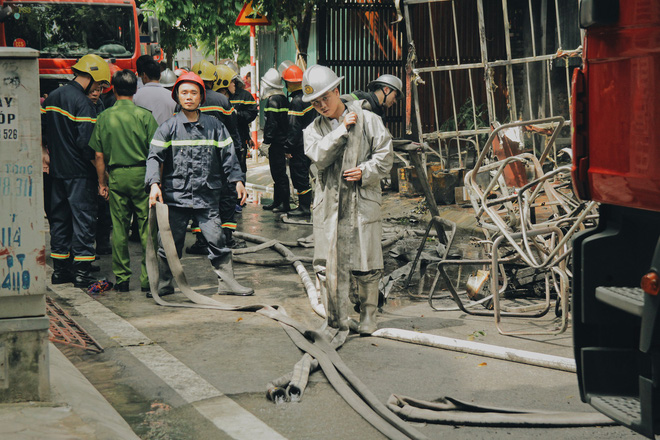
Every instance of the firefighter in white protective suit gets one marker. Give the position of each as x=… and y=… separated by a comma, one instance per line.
x=352, y=151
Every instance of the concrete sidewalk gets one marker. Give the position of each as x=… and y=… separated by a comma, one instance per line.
x=77, y=411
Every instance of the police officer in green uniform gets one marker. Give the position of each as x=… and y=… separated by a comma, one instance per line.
x=121, y=140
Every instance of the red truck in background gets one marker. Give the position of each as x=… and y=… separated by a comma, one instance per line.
x=616, y=161
x=64, y=31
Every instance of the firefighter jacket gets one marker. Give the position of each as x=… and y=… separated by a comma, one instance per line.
x=246, y=111
x=371, y=101
x=354, y=240
x=197, y=159
x=218, y=106
x=67, y=118
x=301, y=114
x=277, y=123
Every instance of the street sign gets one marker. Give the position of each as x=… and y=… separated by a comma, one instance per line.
x=250, y=17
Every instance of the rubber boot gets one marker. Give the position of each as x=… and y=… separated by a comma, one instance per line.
x=231, y=242
x=275, y=204
x=83, y=277
x=283, y=207
x=61, y=272
x=165, y=286
x=283, y=197
x=227, y=284
x=304, y=202
x=200, y=247
x=368, y=292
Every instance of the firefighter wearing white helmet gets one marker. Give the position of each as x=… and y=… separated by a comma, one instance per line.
x=276, y=126
x=383, y=92
x=353, y=152
x=284, y=65
x=68, y=118
x=168, y=78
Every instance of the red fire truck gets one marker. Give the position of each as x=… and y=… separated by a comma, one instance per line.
x=616, y=161
x=64, y=30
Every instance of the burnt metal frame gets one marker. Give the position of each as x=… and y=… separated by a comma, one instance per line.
x=488, y=66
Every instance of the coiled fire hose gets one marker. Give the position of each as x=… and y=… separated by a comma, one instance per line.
x=352, y=390
x=319, y=352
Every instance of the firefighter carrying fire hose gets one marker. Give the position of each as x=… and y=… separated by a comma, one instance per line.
x=352, y=150
x=198, y=157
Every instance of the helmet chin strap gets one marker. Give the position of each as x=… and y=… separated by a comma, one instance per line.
x=385, y=95
x=89, y=86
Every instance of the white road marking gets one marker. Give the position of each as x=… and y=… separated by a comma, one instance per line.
x=223, y=412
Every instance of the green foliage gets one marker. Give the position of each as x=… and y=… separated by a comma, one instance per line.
x=200, y=22
x=290, y=18
x=465, y=118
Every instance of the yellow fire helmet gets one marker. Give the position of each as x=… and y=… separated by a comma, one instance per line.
x=95, y=66
x=224, y=75
x=205, y=70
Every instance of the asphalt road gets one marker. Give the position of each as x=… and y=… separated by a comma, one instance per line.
x=197, y=374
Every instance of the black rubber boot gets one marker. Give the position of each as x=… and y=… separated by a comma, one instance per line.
x=276, y=202
x=83, y=277
x=200, y=247
x=61, y=272
x=283, y=207
x=304, y=202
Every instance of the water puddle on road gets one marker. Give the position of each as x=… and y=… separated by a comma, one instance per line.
x=150, y=419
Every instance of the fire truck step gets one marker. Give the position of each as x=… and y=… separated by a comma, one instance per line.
x=628, y=299
x=625, y=410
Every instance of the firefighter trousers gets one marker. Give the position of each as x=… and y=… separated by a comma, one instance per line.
x=210, y=225
x=299, y=168
x=73, y=218
x=277, y=162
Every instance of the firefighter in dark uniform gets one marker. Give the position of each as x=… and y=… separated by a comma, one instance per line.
x=218, y=106
x=229, y=204
x=103, y=222
x=68, y=121
x=276, y=128
x=301, y=114
x=383, y=93
x=246, y=112
x=197, y=157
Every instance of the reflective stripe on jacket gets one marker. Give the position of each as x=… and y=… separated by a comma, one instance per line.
x=197, y=157
x=67, y=122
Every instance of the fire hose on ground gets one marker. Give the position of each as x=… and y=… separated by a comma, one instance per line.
x=388, y=419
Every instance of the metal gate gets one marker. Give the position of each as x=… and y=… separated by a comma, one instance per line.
x=476, y=62
x=360, y=40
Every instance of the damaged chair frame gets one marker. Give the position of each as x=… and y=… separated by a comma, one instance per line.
x=513, y=234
